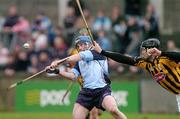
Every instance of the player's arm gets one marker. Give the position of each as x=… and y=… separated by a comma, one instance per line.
x=115, y=56
x=135, y=61
x=119, y=57
x=70, y=74
x=84, y=55
x=66, y=74
x=172, y=55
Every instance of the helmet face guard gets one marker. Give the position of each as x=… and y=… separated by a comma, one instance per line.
x=147, y=44
x=150, y=43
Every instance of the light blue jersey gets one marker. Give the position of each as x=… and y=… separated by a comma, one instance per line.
x=93, y=68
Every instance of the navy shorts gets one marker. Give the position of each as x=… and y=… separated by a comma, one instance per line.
x=93, y=97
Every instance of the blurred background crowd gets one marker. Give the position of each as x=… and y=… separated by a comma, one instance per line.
x=120, y=30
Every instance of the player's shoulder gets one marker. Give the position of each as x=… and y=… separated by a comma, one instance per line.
x=163, y=57
x=97, y=56
x=140, y=61
x=92, y=55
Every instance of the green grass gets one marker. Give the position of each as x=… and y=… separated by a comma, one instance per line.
x=59, y=115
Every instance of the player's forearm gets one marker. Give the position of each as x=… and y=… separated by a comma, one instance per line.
x=172, y=55
x=67, y=75
x=74, y=58
x=119, y=57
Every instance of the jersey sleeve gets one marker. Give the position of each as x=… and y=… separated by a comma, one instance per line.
x=172, y=55
x=119, y=57
x=141, y=64
x=91, y=55
x=86, y=55
x=97, y=56
x=76, y=71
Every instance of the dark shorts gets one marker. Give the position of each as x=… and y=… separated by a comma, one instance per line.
x=93, y=97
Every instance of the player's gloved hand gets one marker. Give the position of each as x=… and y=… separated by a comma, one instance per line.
x=52, y=70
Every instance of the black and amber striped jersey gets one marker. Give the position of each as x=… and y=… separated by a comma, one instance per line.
x=165, y=69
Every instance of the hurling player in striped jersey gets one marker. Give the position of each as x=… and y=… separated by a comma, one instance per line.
x=163, y=66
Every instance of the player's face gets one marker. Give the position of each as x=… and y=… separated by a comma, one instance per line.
x=82, y=46
x=144, y=53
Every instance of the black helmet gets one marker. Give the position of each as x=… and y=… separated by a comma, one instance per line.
x=151, y=43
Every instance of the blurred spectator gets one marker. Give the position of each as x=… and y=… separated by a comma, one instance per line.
x=118, y=27
x=58, y=31
x=120, y=31
x=171, y=46
x=59, y=49
x=42, y=22
x=101, y=22
x=103, y=41
x=41, y=41
x=116, y=15
x=32, y=58
x=2, y=21
x=11, y=19
x=32, y=68
x=135, y=36
x=21, y=61
x=31, y=50
x=70, y=18
x=133, y=69
x=10, y=67
x=22, y=30
x=150, y=23
x=4, y=52
x=133, y=7
x=119, y=68
x=88, y=16
x=79, y=24
x=69, y=22
x=134, y=33
x=44, y=59
x=22, y=25
x=73, y=4
x=36, y=25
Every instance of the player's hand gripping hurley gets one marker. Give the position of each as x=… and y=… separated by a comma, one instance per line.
x=28, y=78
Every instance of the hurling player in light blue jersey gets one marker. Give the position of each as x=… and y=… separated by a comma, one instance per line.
x=96, y=90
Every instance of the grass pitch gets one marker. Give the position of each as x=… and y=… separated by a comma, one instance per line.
x=60, y=115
